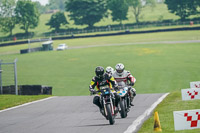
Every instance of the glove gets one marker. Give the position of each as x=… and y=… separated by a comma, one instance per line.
x=116, y=88
x=129, y=88
x=131, y=84
x=92, y=91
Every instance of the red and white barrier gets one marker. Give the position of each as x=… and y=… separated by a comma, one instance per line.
x=190, y=94
x=195, y=84
x=187, y=119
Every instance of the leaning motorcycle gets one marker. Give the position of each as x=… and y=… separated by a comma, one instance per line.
x=107, y=99
x=123, y=92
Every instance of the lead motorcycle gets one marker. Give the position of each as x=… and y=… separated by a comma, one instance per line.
x=106, y=100
x=124, y=93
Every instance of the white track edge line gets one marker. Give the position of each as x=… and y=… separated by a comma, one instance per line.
x=27, y=104
x=138, y=121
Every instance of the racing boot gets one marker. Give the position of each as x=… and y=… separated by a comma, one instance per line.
x=133, y=94
x=132, y=101
x=116, y=110
x=102, y=111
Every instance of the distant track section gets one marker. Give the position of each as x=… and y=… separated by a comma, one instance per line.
x=120, y=44
x=107, y=34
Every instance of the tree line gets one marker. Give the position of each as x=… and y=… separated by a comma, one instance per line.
x=26, y=13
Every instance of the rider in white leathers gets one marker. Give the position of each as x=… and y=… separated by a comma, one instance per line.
x=125, y=76
x=109, y=70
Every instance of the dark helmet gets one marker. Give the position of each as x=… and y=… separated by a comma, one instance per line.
x=99, y=71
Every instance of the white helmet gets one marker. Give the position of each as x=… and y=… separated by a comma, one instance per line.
x=119, y=69
x=109, y=69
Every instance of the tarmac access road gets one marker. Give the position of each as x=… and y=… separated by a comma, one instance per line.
x=70, y=114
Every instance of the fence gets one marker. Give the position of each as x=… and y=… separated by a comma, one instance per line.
x=8, y=75
x=109, y=28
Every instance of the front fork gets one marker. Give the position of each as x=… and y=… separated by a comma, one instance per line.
x=111, y=104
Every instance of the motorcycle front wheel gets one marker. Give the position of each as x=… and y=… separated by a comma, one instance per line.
x=123, y=112
x=109, y=114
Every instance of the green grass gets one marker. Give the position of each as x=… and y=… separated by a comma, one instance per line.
x=7, y=101
x=157, y=67
x=134, y=38
x=173, y=102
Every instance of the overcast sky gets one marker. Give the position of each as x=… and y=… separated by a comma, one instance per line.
x=43, y=2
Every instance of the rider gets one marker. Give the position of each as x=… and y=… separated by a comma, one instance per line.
x=109, y=70
x=101, y=80
x=123, y=75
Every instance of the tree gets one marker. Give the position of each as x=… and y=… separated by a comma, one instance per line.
x=119, y=10
x=183, y=8
x=7, y=16
x=57, y=20
x=138, y=5
x=86, y=12
x=57, y=4
x=41, y=8
x=27, y=14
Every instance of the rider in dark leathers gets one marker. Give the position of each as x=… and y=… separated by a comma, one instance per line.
x=102, y=80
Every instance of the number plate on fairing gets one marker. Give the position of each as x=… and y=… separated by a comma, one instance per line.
x=123, y=91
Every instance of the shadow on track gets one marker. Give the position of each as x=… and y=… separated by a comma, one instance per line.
x=94, y=125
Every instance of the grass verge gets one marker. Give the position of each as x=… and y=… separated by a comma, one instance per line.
x=172, y=102
x=7, y=101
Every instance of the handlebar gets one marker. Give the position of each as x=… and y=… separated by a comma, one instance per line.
x=98, y=91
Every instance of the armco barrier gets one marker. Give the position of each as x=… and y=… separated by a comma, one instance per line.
x=23, y=51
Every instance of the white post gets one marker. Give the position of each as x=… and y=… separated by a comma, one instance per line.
x=15, y=71
x=29, y=47
x=1, y=87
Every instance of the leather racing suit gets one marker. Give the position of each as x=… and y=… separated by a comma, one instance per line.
x=108, y=81
x=128, y=79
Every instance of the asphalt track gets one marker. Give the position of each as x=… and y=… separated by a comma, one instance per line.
x=70, y=115
x=120, y=44
x=136, y=43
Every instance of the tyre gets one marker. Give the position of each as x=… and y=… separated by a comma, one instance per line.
x=128, y=102
x=109, y=113
x=123, y=112
x=127, y=105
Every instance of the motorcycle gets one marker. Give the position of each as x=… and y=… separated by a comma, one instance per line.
x=106, y=100
x=123, y=92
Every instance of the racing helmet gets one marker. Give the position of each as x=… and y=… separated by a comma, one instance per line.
x=119, y=69
x=99, y=72
x=109, y=69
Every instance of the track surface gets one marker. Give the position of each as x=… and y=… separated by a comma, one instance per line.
x=69, y=115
